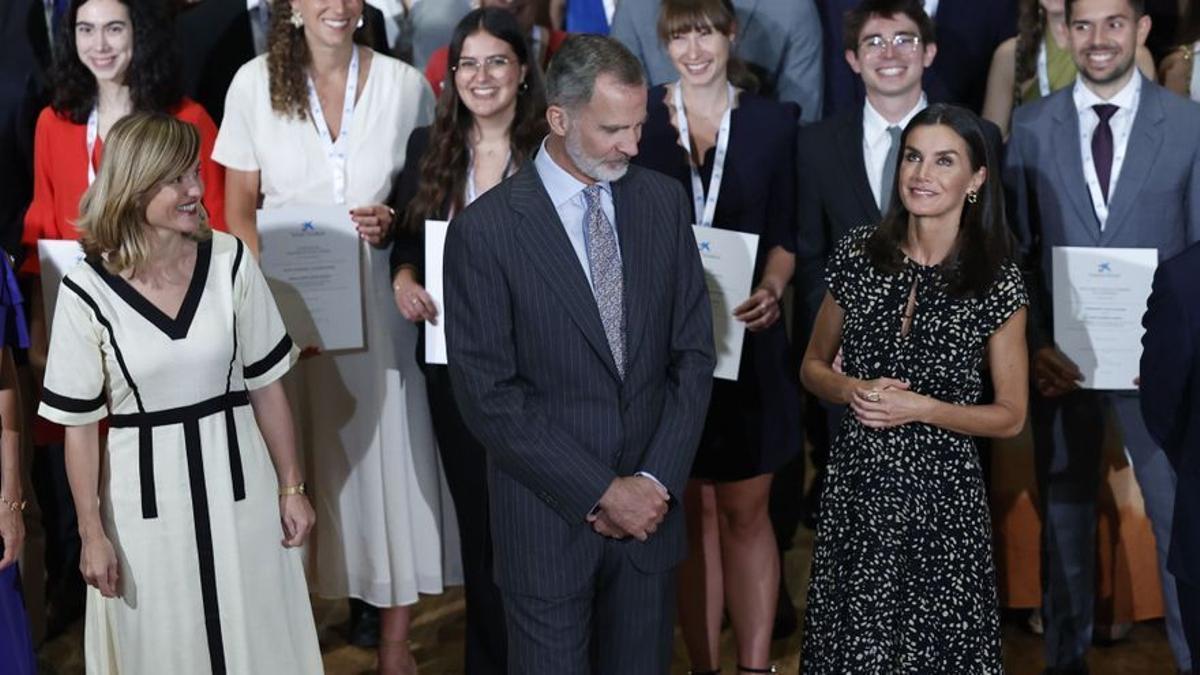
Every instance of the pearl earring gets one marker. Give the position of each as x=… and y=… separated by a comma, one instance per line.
x=296, y=20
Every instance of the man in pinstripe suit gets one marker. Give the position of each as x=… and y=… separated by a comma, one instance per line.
x=581, y=352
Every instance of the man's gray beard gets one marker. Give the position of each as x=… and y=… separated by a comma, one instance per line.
x=590, y=166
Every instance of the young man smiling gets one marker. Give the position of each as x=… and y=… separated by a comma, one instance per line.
x=1112, y=162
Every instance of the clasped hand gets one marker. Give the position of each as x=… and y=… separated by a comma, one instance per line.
x=373, y=222
x=886, y=402
x=633, y=506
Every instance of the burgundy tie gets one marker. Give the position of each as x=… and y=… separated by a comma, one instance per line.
x=1102, y=146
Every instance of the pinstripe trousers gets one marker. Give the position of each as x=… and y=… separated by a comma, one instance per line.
x=624, y=623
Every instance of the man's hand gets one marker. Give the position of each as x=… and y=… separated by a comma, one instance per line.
x=634, y=505
x=1053, y=373
x=604, y=525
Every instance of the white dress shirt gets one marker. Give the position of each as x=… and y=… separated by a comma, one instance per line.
x=1121, y=123
x=931, y=8
x=566, y=193
x=877, y=142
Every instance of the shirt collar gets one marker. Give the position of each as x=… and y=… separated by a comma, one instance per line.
x=1125, y=99
x=560, y=185
x=252, y=5
x=875, y=126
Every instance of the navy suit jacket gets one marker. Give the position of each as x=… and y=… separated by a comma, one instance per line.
x=537, y=384
x=1170, y=377
x=968, y=32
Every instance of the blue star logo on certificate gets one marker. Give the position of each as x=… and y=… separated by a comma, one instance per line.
x=1105, y=268
x=705, y=247
x=308, y=226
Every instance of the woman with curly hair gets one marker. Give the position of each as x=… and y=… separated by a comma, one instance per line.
x=1179, y=72
x=321, y=120
x=491, y=118
x=1036, y=62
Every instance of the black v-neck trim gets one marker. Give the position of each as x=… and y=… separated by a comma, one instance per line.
x=176, y=328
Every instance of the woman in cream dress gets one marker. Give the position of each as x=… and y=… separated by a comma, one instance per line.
x=318, y=120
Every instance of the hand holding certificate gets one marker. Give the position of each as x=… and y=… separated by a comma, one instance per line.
x=311, y=258
x=728, y=259
x=1099, y=297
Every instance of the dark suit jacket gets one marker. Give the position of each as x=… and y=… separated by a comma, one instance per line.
x=24, y=65
x=968, y=32
x=215, y=39
x=536, y=381
x=1170, y=376
x=833, y=197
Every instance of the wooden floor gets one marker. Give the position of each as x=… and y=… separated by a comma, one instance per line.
x=438, y=633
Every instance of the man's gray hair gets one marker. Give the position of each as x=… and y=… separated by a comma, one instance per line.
x=581, y=61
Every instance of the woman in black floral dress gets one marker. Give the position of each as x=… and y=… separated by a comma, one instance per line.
x=902, y=576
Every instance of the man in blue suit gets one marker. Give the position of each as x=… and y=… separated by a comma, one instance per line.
x=1170, y=377
x=1112, y=162
x=580, y=347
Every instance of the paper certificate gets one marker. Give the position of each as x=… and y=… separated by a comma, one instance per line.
x=311, y=258
x=728, y=259
x=1100, y=296
x=435, y=332
x=57, y=256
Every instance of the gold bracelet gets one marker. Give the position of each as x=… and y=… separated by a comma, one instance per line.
x=297, y=489
x=12, y=505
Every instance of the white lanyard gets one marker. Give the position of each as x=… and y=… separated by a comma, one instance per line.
x=93, y=130
x=705, y=203
x=1194, y=89
x=336, y=152
x=1043, y=70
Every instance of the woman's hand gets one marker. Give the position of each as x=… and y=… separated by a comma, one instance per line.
x=885, y=403
x=373, y=222
x=12, y=531
x=297, y=517
x=760, y=311
x=413, y=301
x=98, y=563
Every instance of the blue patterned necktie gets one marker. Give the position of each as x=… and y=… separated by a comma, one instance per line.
x=608, y=285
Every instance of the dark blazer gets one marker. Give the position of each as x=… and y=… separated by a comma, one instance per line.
x=215, y=39
x=24, y=66
x=1156, y=203
x=1170, y=377
x=968, y=32
x=833, y=197
x=536, y=381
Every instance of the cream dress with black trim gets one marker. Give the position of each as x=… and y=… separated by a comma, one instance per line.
x=188, y=493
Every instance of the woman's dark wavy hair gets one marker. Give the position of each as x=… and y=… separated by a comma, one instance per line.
x=1031, y=29
x=445, y=164
x=985, y=241
x=153, y=75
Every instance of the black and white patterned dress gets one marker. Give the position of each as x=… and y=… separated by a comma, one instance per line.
x=902, y=574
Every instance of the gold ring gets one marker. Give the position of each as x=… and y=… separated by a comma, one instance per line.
x=416, y=301
x=873, y=396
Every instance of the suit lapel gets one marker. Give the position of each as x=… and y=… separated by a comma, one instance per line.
x=550, y=252
x=850, y=146
x=1145, y=139
x=634, y=233
x=1072, y=185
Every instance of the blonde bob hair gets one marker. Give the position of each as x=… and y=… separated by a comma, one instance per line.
x=142, y=151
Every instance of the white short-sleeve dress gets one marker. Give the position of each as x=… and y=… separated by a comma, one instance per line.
x=385, y=522
x=189, y=495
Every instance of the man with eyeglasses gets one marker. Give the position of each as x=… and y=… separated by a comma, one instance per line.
x=968, y=32
x=847, y=163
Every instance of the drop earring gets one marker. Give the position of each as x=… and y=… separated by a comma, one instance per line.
x=972, y=196
x=296, y=20
x=360, y=22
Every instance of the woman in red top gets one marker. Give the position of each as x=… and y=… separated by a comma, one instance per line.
x=116, y=59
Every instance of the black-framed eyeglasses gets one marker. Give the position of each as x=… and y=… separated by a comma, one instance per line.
x=902, y=43
x=492, y=64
